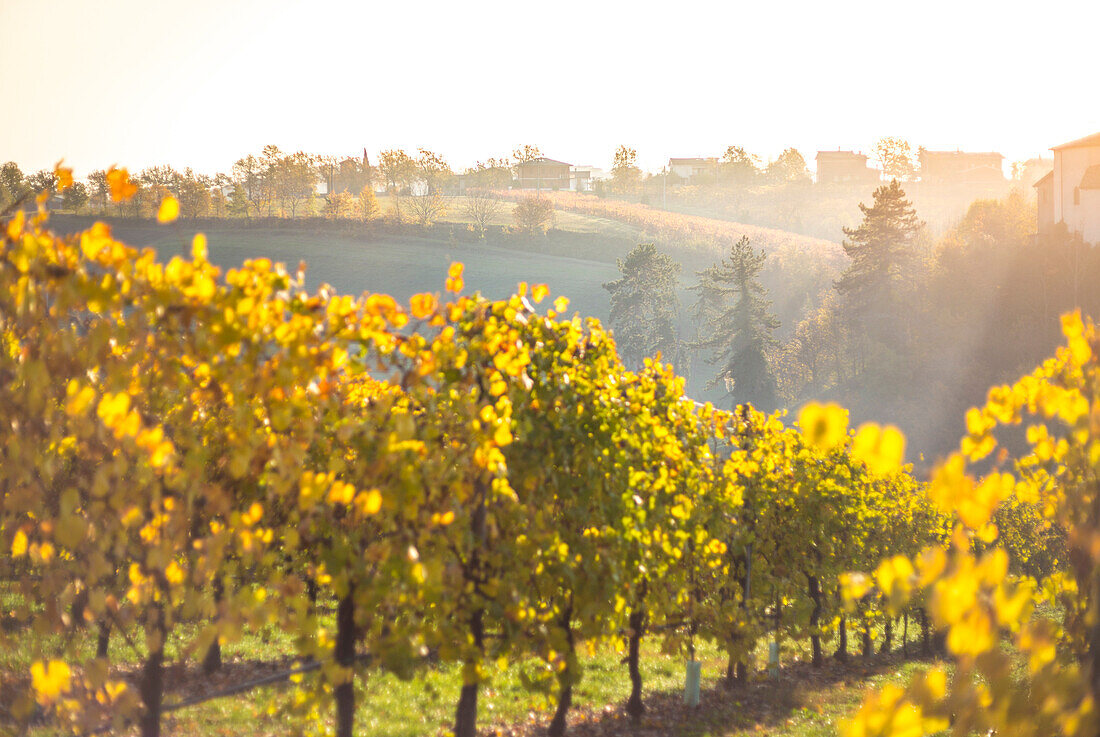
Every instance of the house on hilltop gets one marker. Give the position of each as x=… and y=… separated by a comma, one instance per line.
x=844, y=167
x=1070, y=194
x=689, y=169
x=543, y=173
x=961, y=167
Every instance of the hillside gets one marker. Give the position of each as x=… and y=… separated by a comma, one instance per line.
x=799, y=267
x=575, y=258
x=353, y=258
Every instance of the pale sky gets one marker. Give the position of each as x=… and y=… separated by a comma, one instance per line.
x=203, y=83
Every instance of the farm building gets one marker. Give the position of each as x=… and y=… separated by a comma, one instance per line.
x=689, y=169
x=844, y=167
x=543, y=173
x=961, y=167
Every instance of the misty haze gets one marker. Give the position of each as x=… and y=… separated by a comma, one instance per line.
x=570, y=369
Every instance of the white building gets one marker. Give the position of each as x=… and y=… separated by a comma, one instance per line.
x=688, y=169
x=582, y=178
x=1071, y=193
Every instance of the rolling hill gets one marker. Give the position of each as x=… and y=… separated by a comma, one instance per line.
x=575, y=259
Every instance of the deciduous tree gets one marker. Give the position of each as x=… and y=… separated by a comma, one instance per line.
x=12, y=183
x=482, y=206
x=490, y=174
x=369, y=208
x=895, y=156
x=76, y=196
x=194, y=193
x=295, y=182
x=249, y=189
x=397, y=170
x=341, y=206
x=42, y=181
x=525, y=153
x=625, y=174
x=739, y=168
x=432, y=173
x=788, y=168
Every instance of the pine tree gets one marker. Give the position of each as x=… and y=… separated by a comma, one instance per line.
x=738, y=326
x=644, y=307
x=710, y=302
x=881, y=249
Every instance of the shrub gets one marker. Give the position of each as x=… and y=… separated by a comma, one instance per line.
x=533, y=215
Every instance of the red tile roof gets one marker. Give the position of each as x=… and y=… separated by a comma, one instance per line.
x=543, y=160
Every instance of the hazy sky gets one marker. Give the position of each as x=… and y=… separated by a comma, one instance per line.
x=201, y=83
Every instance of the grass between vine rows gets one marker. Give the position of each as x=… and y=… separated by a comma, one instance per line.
x=803, y=702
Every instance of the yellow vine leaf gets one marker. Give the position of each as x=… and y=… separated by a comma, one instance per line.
x=122, y=189
x=885, y=714
x=169, y=210
x=881, y=448
x=64, y=176
x=1076, y=337
x=19, y=544
x=15, y=225
x=174, y=574
x=422, y=305
x=43, y=553
x=199, y=251
x=50, y=680
x=79, y=399
x=975, y=508
x=853, y=587
x=895, y=580
x=368, y=502
x=824, y=426
x=341, y=493
x=454, y=282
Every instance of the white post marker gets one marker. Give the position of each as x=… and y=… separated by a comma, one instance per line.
x=773, y=660
x=691, y=682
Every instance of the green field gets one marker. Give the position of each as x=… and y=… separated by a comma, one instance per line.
x=574, y=259
x=354, y=259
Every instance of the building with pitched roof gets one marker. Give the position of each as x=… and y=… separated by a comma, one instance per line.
x=845, y=167
x=961, y=167
x=1070, y=194
x=543, y=173
x=690, y=168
